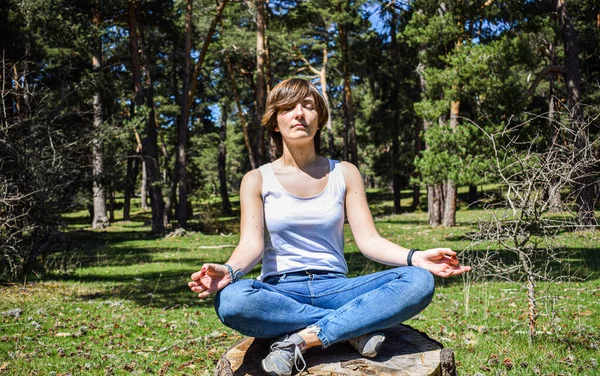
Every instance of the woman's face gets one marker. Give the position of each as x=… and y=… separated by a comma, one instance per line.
x=298, y=121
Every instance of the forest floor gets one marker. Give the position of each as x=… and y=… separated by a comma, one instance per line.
x=117, y=303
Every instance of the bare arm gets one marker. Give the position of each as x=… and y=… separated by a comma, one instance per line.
x=439, y=261
x=214, y=277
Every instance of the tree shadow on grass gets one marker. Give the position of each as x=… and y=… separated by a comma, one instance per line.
x=153, y=289
x=569, y=263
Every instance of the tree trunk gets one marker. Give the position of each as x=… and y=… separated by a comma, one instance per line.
x=182, y=131
x=449, y=219
x=138, y=100
x=222, y=162
x=416, y=196
x=350, y=148
x=329, y=125
x=127, y=191
x=150, y=154
x=133, y=163
x=204, y=50
x=435, y=204
x=585, y=196
x=100, y=219
x=241, y=114
x=435, y=199
x=261, y=97
x=171, y=200
x=111, y=200
x=555, y=200
x=150, y=139
x=395, y=126
x=144, y=186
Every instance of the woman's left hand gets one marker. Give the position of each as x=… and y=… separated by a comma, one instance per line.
x=439, y=261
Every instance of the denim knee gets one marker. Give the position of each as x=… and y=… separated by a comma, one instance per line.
x=424, y=282
x=228, y=302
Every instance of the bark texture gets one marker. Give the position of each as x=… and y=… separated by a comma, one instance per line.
x=222, y=162
x=261, y=92
x=182, y=129
x=350, y=148
x=100, y=219
x=149, y=142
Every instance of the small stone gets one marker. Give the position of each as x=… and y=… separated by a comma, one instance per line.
x=15, y=312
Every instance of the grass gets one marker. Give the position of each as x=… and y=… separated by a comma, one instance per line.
x=119, y=305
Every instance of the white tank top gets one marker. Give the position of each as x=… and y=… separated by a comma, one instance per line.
x=303, y=233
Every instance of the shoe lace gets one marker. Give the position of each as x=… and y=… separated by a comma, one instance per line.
x=282, y=351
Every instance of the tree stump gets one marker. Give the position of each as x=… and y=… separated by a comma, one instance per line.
x=405, y=352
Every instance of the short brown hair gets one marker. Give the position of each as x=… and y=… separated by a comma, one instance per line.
x=287, y=93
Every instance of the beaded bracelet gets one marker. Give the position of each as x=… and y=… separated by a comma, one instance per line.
x=232, y=280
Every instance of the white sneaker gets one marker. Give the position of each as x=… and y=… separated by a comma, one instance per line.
x=368, y=344
x=284, y=356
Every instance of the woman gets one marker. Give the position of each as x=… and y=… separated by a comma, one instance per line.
x=292, y=217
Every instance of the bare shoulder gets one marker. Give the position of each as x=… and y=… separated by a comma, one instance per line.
x=351, y=173
x=252, y=182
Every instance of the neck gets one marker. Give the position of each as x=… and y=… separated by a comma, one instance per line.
x=300, y=157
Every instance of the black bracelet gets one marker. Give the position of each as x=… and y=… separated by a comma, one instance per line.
x=409, y=256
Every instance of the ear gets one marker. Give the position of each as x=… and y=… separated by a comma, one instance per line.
x=276, y=129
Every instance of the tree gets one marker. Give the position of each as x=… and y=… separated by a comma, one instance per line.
x=518, y=224
x=584, y=185
x=99, y=191
x=182, y=128
x=261, y=90
x=225, y=203
x=350, y=147
x=150, y=132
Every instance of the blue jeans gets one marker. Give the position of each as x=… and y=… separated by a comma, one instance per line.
x=340, y=307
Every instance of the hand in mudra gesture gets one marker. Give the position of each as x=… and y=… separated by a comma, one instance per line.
x=211, y=278
x=439, y=261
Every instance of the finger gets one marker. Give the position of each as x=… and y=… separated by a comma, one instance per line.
x=199, y=274
x=460, y=270
x=446, y=251
x=204, y=294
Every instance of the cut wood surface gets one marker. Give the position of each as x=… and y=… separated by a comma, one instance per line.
x=405, y=352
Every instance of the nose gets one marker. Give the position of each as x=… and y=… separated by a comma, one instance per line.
x=298, y=110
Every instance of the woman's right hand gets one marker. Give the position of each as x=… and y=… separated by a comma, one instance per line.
x=211, y=278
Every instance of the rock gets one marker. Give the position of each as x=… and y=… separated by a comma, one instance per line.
x=405, y=352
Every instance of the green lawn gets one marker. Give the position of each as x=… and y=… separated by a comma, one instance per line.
x=120, y=305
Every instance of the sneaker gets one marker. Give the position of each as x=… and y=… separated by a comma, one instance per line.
x=285, y=355
x=368, y=344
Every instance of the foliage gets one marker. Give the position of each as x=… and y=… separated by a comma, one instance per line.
x=487, y=55
x=455, y=155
